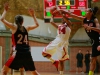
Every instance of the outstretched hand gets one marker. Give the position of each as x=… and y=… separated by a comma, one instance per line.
x=31, y=11
x=6, y=6
x=59, y=11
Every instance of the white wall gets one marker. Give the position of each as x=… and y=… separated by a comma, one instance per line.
x=37, y=54
x=43, y=28
x=80, y=35
x=2, y=27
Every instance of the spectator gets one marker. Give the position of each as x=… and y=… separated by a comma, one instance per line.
x=79, y=58
x=87, y=61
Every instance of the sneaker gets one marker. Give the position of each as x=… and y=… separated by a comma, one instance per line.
x=56, y=64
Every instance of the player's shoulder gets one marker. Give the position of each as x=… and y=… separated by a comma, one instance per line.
x=26, y=26
x=15, y=29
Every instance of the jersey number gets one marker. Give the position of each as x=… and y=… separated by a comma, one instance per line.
x=20, y=39
x=62, y=30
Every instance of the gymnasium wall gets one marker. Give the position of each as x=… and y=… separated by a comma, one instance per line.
x=46, y=66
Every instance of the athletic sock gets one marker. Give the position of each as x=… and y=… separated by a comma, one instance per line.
x=52, y=60
x=91, y=72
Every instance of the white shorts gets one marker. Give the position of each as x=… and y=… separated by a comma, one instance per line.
x=59, y=47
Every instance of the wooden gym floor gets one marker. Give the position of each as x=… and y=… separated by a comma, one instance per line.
x=46, y=73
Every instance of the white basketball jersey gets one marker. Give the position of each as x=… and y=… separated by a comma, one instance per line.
x=63, y=32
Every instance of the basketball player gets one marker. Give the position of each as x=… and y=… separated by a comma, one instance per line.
x=12, y=51
x=59, y=44
x=22, y=58
x=90, y=21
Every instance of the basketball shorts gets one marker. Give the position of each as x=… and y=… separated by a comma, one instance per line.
x=59, y=47
x=95, y=52
x=79, y=64
x=21, y=60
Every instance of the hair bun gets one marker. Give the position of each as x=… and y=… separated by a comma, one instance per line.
x=95, y=9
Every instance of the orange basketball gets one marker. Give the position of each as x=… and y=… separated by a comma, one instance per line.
x=98, y=48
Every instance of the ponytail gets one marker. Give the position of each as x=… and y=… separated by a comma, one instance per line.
x=18, y=21
x=95, y=9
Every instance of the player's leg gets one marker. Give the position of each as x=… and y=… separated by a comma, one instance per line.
x=61, y=67
x=35, y=73
x=62, y=56
x=11, y=53
x=49, y=51
x=48, y=56
x=7, y=65
x=21, y=71
x=11, y=72
x=94, y=55
x=29, y=63
x=5, y=70
x=92, y=65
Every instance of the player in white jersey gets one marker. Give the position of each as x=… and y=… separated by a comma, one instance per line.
x=59, y=44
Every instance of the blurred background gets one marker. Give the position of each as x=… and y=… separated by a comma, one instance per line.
x=45, y=33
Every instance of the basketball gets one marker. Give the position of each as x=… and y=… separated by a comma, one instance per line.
x=98, y=48
x=52, y=9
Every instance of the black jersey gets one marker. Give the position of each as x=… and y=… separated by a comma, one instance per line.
x=21, y=39
x=92, y=34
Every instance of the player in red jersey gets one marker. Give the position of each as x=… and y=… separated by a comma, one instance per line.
x=22, y=58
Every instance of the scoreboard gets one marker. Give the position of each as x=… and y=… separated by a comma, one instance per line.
x=77, y=7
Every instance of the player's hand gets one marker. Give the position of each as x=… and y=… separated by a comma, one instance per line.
x=31, y=11
x=62, y=11
x=87, y=27
x=51, y=20
x=6, y=6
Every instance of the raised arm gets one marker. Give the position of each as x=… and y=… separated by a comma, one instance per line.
x=72, y=15
x=54, y=24
x=31, y=27
x=6, y=23
x=67, y=20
